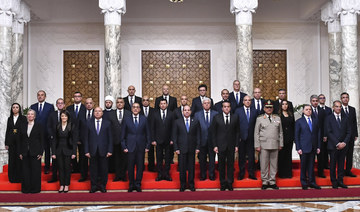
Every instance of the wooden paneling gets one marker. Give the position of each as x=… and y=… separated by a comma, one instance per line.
x=270, y=72
x=81, y=73
x=183, y=71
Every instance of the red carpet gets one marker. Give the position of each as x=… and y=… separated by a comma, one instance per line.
x=150, y=183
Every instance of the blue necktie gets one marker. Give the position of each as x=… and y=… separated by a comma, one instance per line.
x=40, y=109
x=237, y=98
x=247, y=114
x=187, y=125
x=207, y=119
x=310, y=124
x=338, y=120
x=258, y=106
x=77, y=110
x=98, y=127
x=136, y=122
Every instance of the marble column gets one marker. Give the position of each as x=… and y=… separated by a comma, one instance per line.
x=7, y=10
x=335, y=47
x=112, y=9
x=243, y=10
x=17, y=53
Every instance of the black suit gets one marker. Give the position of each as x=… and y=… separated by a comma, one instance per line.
x=12, y=140
x=226, y=138
x=119, y=157
x=322, y=157
x=261, y=103
x=218, y=106
x=172, y=103
x=178, y=113
x=186, y=142
x=354, y=133
x=232, y=99
x=336, y=134
x=136, y=100
x=196, y=105
x=151, y=153
x=54, y=119
x=277, y=106
x=30, y=147
x=161, y=134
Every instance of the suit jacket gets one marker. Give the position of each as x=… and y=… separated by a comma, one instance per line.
x=44, y=115
x=262, y=102
x=127, y=103
x=161, y=130
x=150, y=113
x=135, y=139
x=232, y=99
x=336, y=134
x=64, y=141
x=33, y=144
x=218, y=106
x=172, y=104
x=116, y=126
x=101, y=143
x=321, y=119
x=13, y=132
x=327, y=109
x=106, y=114
x=206, y=133
x=81, y=113
x=178, y=113
x=268, y=135
x=352, y=121
x=196, y=104
x=52, y=123
x=186, y=142
x=225, y=137
x=82, y=125
x=307, y=140
x=246, y=127
x=277, y=106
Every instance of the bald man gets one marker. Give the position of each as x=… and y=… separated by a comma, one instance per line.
x=131, y=98
x=171, y=101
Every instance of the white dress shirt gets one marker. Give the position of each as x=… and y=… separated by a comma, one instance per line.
x=228, y=115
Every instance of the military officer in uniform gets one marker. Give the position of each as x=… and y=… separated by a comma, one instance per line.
x=268, y=140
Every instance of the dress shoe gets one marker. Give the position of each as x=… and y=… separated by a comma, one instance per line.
x=103, y=190
x=212, y=178
x=342, y=185
x=82, y=179
x=159, y=178
x=52, y=181
x=321, y=175
x=116, y=179
x=252, y=177
x=335, y=186
x=92, y=190
x=240, y=177
x=202, y=178
x=66, y=189
x=264, y=187
x=138, y=189
x=182, y=189
x=350, y=174
x=130, y=189
x=192, y=188
x=314, y=186
x=304, y=188
x=168, y=178
x=274, y=187
x=230, y=188
x=61, y=190
x=222, y=188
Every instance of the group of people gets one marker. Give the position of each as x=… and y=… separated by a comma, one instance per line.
x=84, y=138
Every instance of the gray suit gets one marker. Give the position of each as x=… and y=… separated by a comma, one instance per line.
x=269, y=137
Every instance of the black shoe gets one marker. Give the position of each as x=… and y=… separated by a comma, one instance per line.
x=159, y=178
x=130, y=189
x=264, y=187
x=138, y=189
x=350, y=174
x=182, y=189
x=52, y=181
x=342, y=185
x=314, y=186
x=116, y=179
x=240, y=177
x=230, y=188
x=321, y=175
x=202, y=178
x=123, y=179
x=103, y=190
x=192, y=188
x=222, y=188
x=82, y=179
x=92, y=190
x=304, y=188
x=212, y=178
x=252, y=177
x=167, y=178
x=274, y=187
x=335, y=186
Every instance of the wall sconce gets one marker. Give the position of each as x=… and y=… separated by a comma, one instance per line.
x=167, y=82
x=73, y=66
x=201, y=65
x=167, y=66
x=260, y=65
x=184, y=82
x=151, y=82
x=260, y=81
x=90, y=66
x=201, y=82
x=151, y=99
x=90, y=82
x=184, y=65
x=151, y=66
x=276, y=65
x=73, y=82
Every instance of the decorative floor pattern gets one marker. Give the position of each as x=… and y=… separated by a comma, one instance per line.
x=296, y=206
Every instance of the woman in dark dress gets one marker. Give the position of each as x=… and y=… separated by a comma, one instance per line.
x=15, y=123
x=64, y=149
x=30, y=152
x=285, y=154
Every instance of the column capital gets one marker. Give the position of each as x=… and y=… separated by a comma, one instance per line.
x=243, y=10
x=330, y=18
x=348, y=11
x=21, y=18
x=8, y=8
x=112, y=9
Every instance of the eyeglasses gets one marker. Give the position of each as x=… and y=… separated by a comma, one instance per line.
x=322, y=98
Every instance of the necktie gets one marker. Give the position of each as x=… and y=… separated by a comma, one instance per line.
x=258, y=106
x=146, y=112
x=120, y=117
x=76, y=110
x=136, y=122
x=270, y=119
x=88, y=116
x=227, y=120
x=207, y=119
x=247, y=114
x=338, y=120
x=98, y=127
x=58, y=115
x=40, y=108
x=315, y=112
x=131, y=101
x=310, y=124
x=187, y=125
x=163, y=116
x=237, y=98
x=346, y=111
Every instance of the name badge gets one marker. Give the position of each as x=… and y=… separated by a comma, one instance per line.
x=14, y=131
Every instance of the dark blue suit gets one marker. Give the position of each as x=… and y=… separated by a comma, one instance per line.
x=196, y=105
x=232, y=99
x=336, y=134
x=308, y=141
x=322, y=157
x=98, y=145
x=206, y=147
x=262, y=102
x=246, y=145
x=135, y=140
x=42, y=118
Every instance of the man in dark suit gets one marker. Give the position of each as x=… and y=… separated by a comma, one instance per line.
x=322, y=100
x=172, y=101
x=148, y=112
x=319, y=114
x=236, y=97
x=205, y=117
x=131, y=98
x=116, y=118
x=328, y=111
x=178, y=112
x=350, y=112
x=247, y=117
x=225, y=138
x=307, y=140
x=43, y=110
x=109, y=101
x=257, y=102
x=225, y=97
x=135, y=141
x=338, y=133
x=161, y=126
x=98, y=146
x=196, y=104
x=53, y=121
x=186, y=136
x=277, y=103
x=77, y=113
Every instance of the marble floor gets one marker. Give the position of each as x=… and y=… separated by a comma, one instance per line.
x=296, y=206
